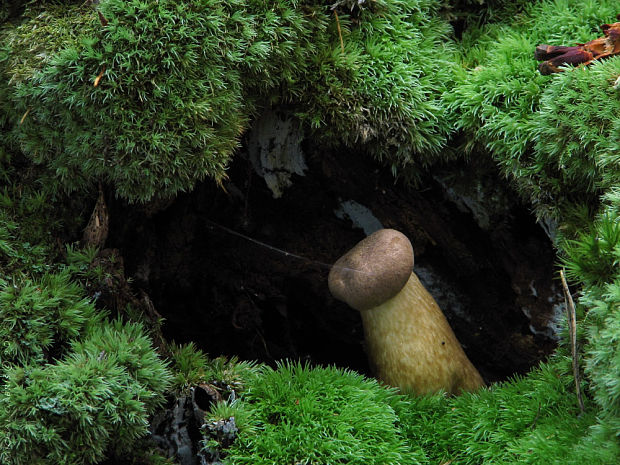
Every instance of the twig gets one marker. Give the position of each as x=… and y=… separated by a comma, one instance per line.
x=99, y=76
x=572, y=328
x=21, y=121
x=339, y=31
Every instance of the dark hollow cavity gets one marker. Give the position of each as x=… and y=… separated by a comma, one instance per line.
x=478, y=251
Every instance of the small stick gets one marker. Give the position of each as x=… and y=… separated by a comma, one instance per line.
x=99, y=76
x=572, y=327
x=339, y=31
x=21, y=121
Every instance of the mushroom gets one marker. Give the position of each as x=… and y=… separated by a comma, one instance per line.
x=409, y=342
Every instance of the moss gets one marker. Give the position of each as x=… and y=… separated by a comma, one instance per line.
x=193, y=367
x=94, y=400
x=165, y=113
x=577, y=130
x=552, y=135
x=176, y=85
x=525, y=420
x=319, y=415
x=592, y=259
x=381, y=92
x=300, y=414
x=74, y=386
x=38, y=316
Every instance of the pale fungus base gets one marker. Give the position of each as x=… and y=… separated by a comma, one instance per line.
x=411, y=345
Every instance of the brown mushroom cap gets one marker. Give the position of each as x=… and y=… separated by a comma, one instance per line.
x=373, y=271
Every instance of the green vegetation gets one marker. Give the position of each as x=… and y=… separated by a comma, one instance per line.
x=162, y=115
x=177, y=83
x=191, y=367
x=298, y=414
x=527, y=420
x=556, y=137
x=599, y=275
x=95, y=400
x=75, y=387
x=36, y=315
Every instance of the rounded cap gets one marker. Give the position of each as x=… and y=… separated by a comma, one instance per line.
x=373, y=271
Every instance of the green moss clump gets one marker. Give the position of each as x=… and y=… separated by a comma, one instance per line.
x=26, y=224
x=577, y=130
x=530, y=420
x=177, y=84
x=192, y=367
x=37, y=315
x=603, y=354
x=382, y=93
x=10, y=8
x=558, y=137
x=297, y=414
x=74, y=387
x=95, y=400
x=591, y=260
x=167, y=108
x=319, y=415
x=552, y=135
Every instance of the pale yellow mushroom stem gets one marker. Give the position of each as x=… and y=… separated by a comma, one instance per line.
x=411, y=345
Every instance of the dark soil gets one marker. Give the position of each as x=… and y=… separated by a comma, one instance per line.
x=233, y=296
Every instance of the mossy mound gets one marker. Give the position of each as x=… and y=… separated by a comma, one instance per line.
x=94, y=401
x=592, y=260
x=532, y=420
x=153, y=96
x=380, y=89
x=557, y=136
x=75, y=387
x=139, y=102
x=297, y=414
